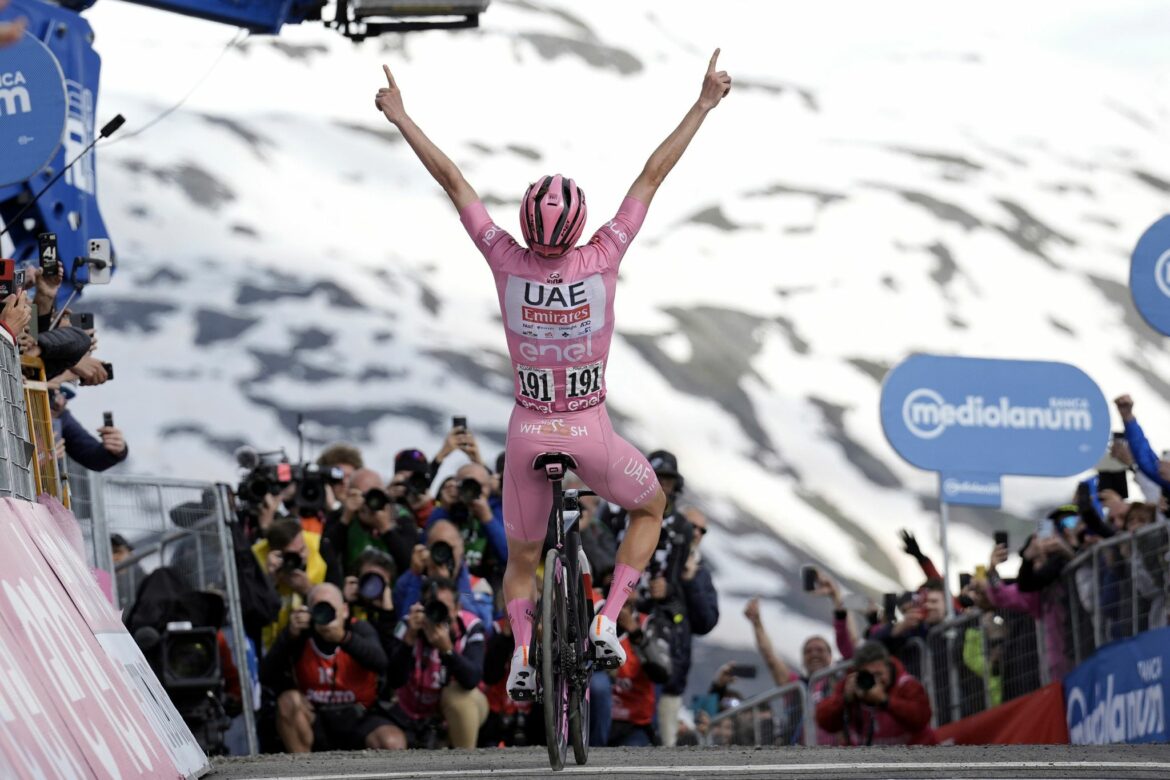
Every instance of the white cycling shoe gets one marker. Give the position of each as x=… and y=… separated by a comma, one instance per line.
x=522, y=677
x=607, y=648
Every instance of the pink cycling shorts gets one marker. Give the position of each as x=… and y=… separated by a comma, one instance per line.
x=606, y=462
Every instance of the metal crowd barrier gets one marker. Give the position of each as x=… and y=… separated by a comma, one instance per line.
x=182, y=524
x=17, y=479
x=820, y=687
x=1117, y=589
x=774, y=717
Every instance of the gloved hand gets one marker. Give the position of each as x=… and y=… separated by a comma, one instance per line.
x=910, y=545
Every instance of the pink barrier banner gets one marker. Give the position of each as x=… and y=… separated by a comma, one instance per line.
x=93, y=680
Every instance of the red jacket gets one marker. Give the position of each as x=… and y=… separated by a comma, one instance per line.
x=904, y=720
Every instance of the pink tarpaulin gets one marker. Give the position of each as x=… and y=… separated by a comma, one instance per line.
x=67, y=649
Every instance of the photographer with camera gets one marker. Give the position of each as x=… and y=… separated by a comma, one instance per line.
x=370, y=598
x=480, y=518
x=292, y=558
x=334, y=664
x=437, y=669
x=369, y=519
x=878, y=703
x=411, y=484
x=442, y=557
x=345, y=459
x=648, y=663
x=676, y=591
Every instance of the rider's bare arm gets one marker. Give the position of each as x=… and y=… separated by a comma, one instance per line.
x=716, y=85
x=439, y=165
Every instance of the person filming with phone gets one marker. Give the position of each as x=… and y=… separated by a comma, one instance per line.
x=877, y=703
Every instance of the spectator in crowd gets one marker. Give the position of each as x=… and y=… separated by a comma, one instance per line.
x=928, y=609
x=93, y=453
x=347, y=459
x=509, y=723
x=128, y=576
x=1038, y=590
x=437, y=669
x=334, y=664
x=292, y=557
x=442, y=557
x=877, y=703
x=368, y=519
x=648, y=661
x=816, y=654
x=480, y=519
x=676, y=590
x=11, y=32
x=1142, y=452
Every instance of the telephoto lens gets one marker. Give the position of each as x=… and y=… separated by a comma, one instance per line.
x=442, y=554
x=865, y=680
x=371, y=586
x=322, y=613
x=376, y=499
x=291, y=561
x=436, y=612
x=470, y=490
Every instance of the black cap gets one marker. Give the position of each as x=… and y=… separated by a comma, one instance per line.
x=663, y=463
x=117, y=540
x=411, y=460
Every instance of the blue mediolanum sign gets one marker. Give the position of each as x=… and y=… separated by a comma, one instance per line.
x=1149, y=276
x=32, y=108
x=971, y=489
x=1119, y=695
x=974, y=420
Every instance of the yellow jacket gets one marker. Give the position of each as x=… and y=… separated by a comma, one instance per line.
x=290, y=599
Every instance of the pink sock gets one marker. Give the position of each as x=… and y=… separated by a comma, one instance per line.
x=625, y=579
x=522, y=616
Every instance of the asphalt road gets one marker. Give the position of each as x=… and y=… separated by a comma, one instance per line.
x=1117, y=762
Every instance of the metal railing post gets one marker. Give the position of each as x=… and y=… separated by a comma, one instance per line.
x=1043, y=664
x=986, y=650
x=1098, y=619
x=953, y=675
x=235, y=613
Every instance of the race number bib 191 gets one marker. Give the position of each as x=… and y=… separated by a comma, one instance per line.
x=536, y=383
x=581, y=381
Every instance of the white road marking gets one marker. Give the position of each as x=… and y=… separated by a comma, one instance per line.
x=794, y=768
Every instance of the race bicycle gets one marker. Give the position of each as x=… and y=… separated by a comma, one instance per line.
x=565, y=659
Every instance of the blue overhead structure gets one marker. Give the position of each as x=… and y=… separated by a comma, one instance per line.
x=48, y=119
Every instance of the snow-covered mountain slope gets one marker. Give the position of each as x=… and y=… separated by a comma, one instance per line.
x=882, y=180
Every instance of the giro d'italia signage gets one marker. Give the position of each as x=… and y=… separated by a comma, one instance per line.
x=975, y=420
x=32, y=108
x=1149, y=276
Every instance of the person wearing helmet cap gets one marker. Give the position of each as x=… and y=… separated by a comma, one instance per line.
x=557, y=302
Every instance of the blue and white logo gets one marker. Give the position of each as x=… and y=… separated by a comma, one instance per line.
x=975, y=420
x=32, y=108
x=1119, y=695
x=1149, y=276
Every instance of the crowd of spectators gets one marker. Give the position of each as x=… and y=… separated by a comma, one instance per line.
x=376, y=612
x=376, y=615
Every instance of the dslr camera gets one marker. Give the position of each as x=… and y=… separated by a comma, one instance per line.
x=865, y=680
x=290, y=562
x=470, y=491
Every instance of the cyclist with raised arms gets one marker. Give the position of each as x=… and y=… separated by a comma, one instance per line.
x=556, y=299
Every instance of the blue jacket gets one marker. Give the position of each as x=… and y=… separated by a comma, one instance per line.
x=83, y=447
x=699, y=617
x=408, y=592
x=1143, y=454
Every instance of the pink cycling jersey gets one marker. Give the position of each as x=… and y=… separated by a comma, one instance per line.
x=558, y=312
x=558, y=316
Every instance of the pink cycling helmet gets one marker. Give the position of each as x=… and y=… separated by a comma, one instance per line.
x=552, y=215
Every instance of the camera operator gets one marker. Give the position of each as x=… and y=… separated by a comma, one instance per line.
x=648, y=661
x=442, y=557
x=335, y=664
x=878, y=703
x=928, y=609
x=380, y=523
x=437, y=668
x=411, y=484
x=676, y=591
x=480, y=518
x=293, y=560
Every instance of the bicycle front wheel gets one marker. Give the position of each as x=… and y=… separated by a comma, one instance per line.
x=554, y=680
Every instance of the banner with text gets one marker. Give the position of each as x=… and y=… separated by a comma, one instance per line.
x=1119, y=694
x=1149, y=276
x=974, y=420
